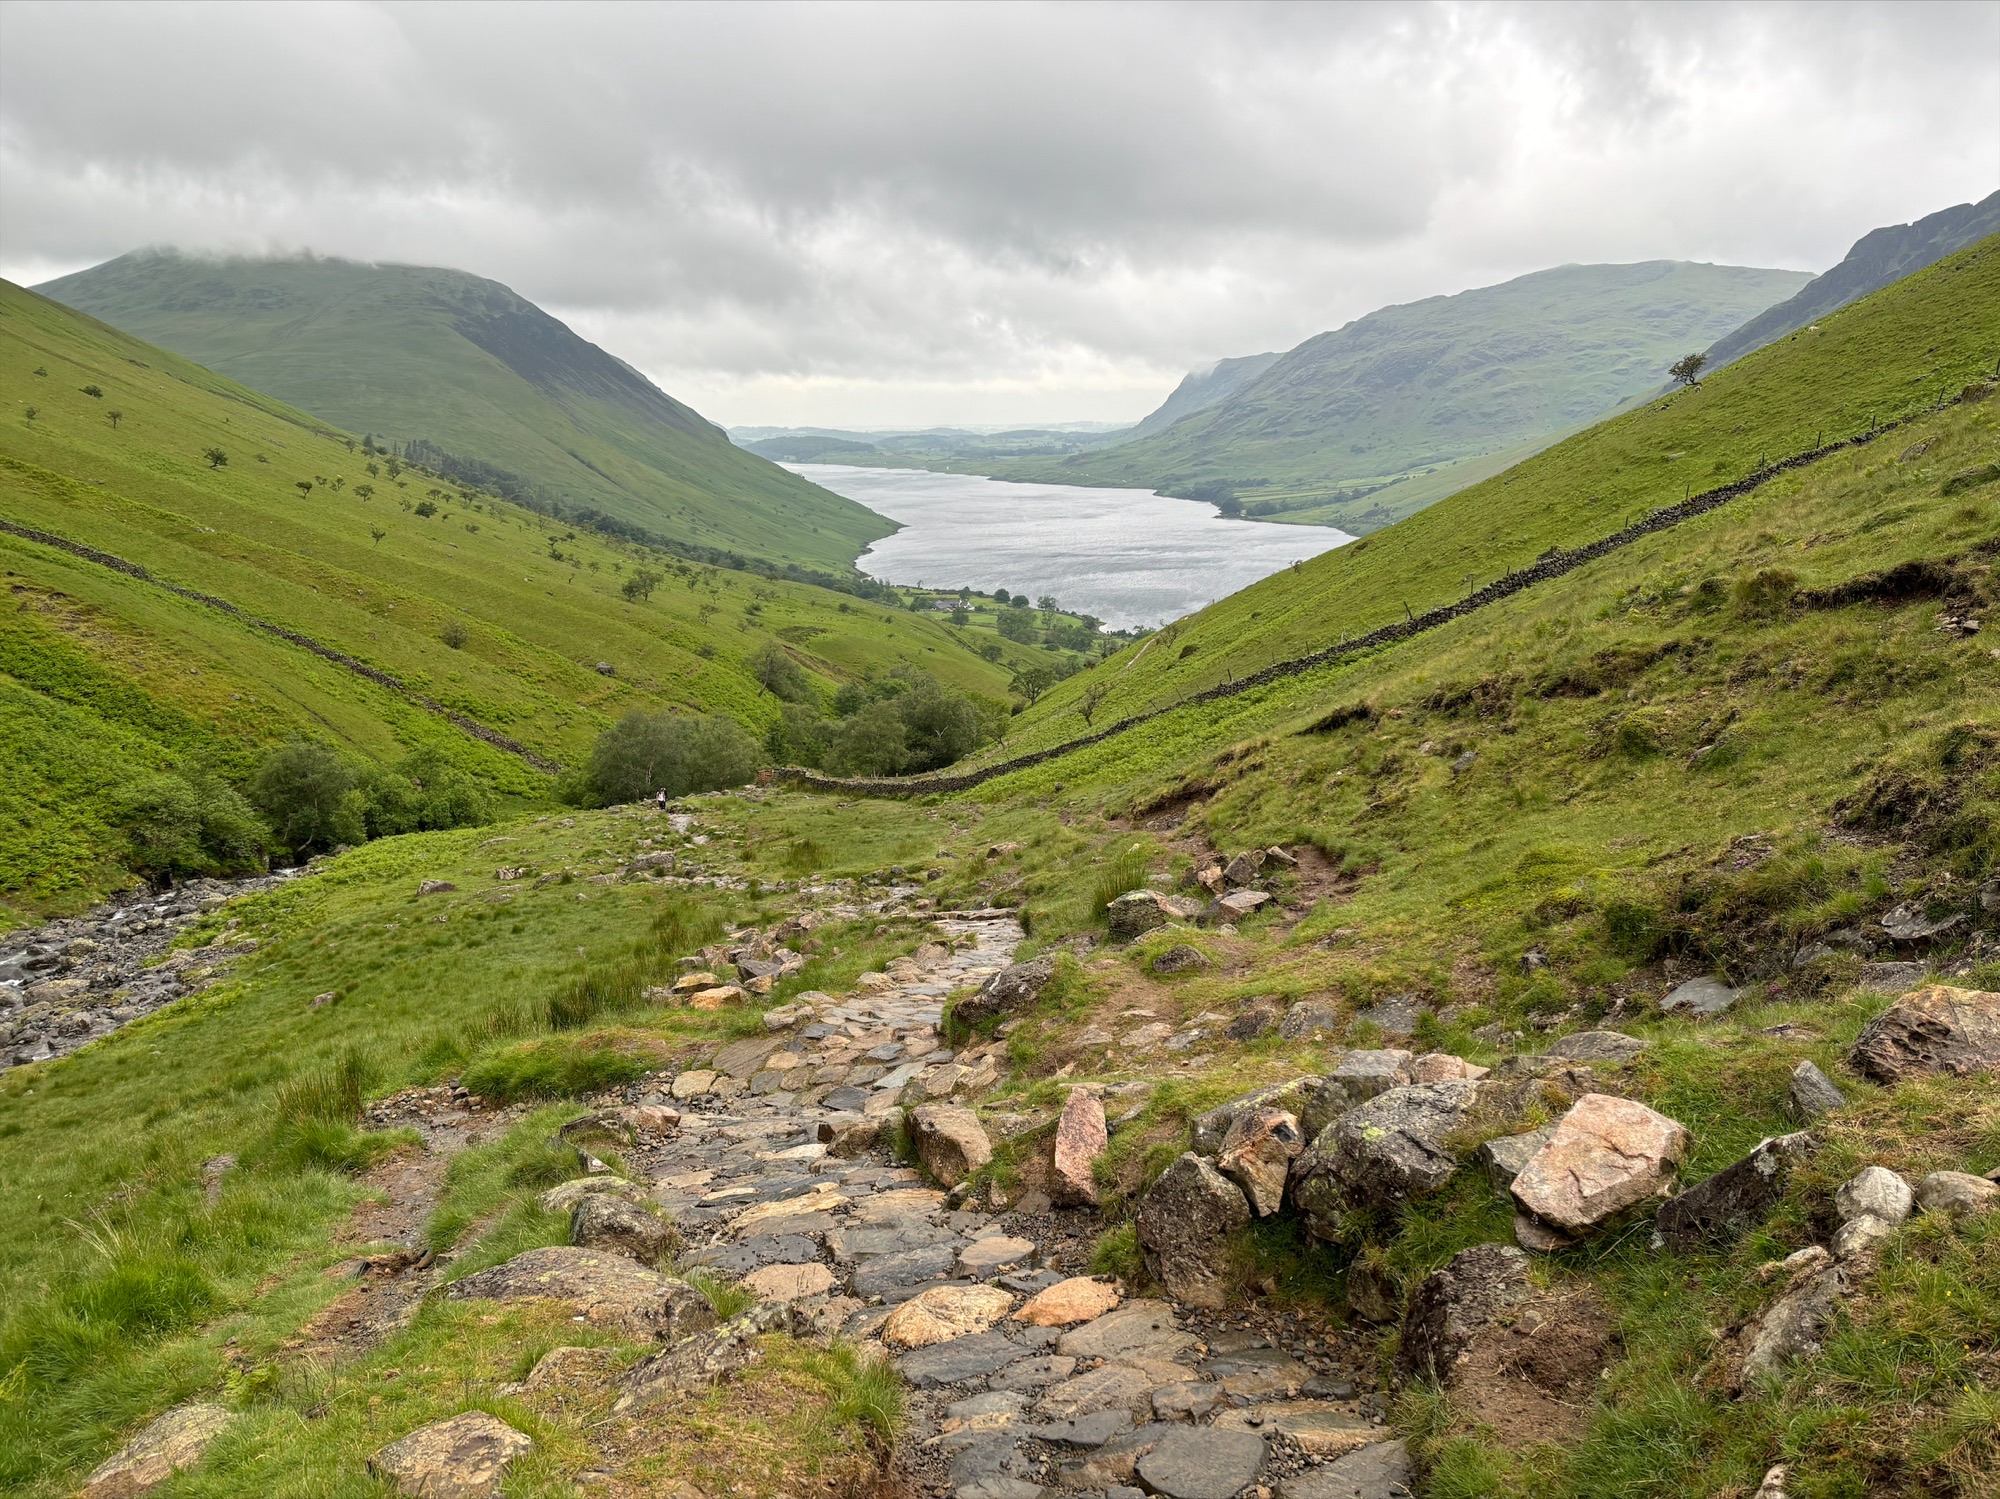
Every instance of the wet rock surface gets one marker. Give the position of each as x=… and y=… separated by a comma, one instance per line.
x=71, y=981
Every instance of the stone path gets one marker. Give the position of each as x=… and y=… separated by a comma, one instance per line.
x=1026, y=1379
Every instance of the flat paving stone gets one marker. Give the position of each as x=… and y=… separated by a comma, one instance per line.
x=1033, y=1373
x=912, y=1267
x=1378, y=1471
x=1138, y=1329
x=959, y=1360
x=1203, y=1462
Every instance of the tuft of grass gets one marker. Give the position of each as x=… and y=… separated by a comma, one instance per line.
x=326, y=1095
x=1124, y=872
x=726, y=1298
x=1117, y=1253
x=560, y=1067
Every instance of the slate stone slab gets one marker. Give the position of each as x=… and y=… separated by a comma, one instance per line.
x=912, y=1267
x=1378, y=1471
x=1203, y=1462
x=959, y=1360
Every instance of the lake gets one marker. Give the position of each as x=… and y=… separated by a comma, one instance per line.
x=1128, y=556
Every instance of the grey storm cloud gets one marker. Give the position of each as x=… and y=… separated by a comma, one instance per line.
x=855, y=214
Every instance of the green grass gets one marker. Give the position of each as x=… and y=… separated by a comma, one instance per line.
x=104, y=678
x=414, y=353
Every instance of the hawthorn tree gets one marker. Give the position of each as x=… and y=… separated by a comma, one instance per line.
x=1687, y=369
x=216, y=457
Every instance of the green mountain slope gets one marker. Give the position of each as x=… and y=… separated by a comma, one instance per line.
x=486, y=384
x=1203, y=388
x=104, y=676
x=1338, y=429
x=1878, y=258
x=1899, y=349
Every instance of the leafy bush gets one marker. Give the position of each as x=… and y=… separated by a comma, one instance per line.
x=781, y=676
x=905, y=720
x=424, y=793
x=647, y=752
x=797, y=737
x=189, y=824
x=1018, y=625
x=870, y=742
x=308, y=792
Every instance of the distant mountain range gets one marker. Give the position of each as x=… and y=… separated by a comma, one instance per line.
x=475, y=381
x=1878, y=259
x=1365, y=424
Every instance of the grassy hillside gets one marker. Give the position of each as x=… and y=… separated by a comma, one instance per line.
x=131, y=677
x=1709, y=752
x=489, y=387
x=1902, y=348
x=1409, y=391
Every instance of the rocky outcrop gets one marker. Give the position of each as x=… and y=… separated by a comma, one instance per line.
x=1012, y=990
x=466, y=1457
x=1356, y=1077
x=1184, y=1223
x=166, y=1445
x=1607, y=1156
x=1735, y=1199
x=1257, y=1155
x=603, y=1220
x=1796, y=1324
x=707, y=1358
x=1137, y=912
x=1212, y=1127
x=1081, y=1137
x=1936, y=1029
x=950, y=1141
x=1453, y=1304
x=603, y=1287
x=1382, y=1153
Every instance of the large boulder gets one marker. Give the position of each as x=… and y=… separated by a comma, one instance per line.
x=167, y=1444
x=1137, y=912
x=602, y=1220
x=1013, y=989
x=1257, y=1155
x=1381, y=1154
x=1210, y=1128
x=465, y=1457
x=1607, y=1156
x=1356, y=1078
x=950, y=1142
x=1081, y=1137
x=1930, y=1030
x=1453, y=1304
x=603, y=1287
x=1735, y=1199
x=1185, y=1221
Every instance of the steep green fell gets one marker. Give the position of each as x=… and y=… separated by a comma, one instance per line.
x=1339, y=430
x=491, y=610
x=486, y=384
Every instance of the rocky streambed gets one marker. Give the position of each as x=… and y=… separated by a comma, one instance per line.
x=72, y=980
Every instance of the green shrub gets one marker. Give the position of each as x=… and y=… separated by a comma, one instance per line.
x=676, y=753
x=781, y=676
x=191, y=824
x=309, y=794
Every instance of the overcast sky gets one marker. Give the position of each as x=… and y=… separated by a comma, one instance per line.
x=904, y=214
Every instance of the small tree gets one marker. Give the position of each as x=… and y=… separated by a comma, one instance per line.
x=378, y=533
x=31, y=412
x=215, y=456
x=93, y=392
x=640, y=585
x=304, y=487
x=454, y=634
x=426, y=509
x=1031, y=682
x=308, y=793
x=1087, y=703
x=366, y=492
x=114, y=416
x=960, y=618
x=1687, y=369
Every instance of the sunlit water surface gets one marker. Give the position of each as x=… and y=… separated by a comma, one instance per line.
x=1128, y=556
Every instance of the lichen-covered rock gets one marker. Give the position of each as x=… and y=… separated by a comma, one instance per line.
x=1081, y=1137
x=1180, y=958
x=166, y=1445
x=1505, y=1155
x=1134, y=913
x=1607, y=1156
x=1453, y=1304
x=1389, y=1149
x=1736, y=1198
x=562, y=1198
x=1184, y=1223
x=604, y=1287
x=465, y=1457
x=943, y=1313
x=1936, y=1029
x=1794, y=1327
x=950, y=1141
x=1874, y=1192
x=709, y=1357
x=1257, y=1155
x=1010, y=991
x=602, y=1220
x=1356, y=1078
